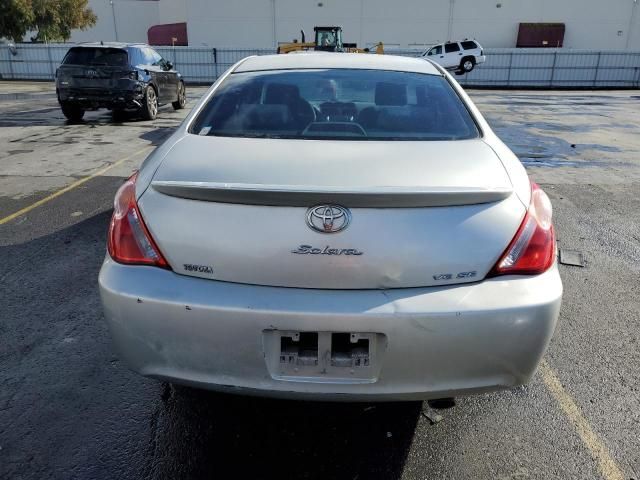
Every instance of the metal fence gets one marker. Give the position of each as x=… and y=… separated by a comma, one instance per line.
x=505, y=67
x=556, y=68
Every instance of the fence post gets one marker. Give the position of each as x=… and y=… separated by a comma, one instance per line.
x=215, y=62
x=553, y=68
x=53, y=72
x=509, y=71
x=595, y=78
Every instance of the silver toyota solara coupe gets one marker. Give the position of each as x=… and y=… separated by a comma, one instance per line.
x=333, y=226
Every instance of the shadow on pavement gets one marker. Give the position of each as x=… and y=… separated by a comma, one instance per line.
x=202, y=434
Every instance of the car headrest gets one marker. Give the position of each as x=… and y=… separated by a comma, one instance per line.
x=281, y=94
x=391, y=94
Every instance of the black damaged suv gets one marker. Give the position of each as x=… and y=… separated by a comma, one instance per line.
x=118, y=76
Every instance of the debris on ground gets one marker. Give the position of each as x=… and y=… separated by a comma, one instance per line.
x=431, y=415
x=571, y=257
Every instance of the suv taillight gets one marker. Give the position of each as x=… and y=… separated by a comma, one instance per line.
x=532, y=250
x=129, y=241
x=131, y=75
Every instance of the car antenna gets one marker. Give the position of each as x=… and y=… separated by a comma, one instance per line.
x=101, y=42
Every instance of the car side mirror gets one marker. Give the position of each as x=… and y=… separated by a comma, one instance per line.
x=168, y=66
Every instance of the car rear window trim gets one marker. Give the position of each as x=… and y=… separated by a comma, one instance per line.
x=466, y=106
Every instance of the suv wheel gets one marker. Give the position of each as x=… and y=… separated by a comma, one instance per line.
x=73, y=112
x=150, y=104
x=467, y=64
x=182, y=97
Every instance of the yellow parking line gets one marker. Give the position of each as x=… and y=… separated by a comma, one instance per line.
x=600, y=453
x=70, y=187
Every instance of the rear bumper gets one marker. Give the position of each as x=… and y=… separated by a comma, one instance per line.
x=481, y=59
x=439, y=342
x=129, y=97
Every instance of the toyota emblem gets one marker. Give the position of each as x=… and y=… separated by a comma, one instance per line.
x=328, y=218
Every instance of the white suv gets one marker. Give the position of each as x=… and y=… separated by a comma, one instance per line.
x=459, y=56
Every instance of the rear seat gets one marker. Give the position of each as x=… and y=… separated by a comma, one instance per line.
x=393, y=113
x=283, y=110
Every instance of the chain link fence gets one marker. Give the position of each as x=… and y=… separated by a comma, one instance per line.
x=504, y=68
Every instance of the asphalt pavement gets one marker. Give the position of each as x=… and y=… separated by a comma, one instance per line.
x=69, y=409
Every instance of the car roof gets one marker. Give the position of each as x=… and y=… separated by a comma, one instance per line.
x=456, y=41
x=361, y=61
x=109, y=45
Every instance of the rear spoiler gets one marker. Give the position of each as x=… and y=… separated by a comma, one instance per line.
x=304, y=196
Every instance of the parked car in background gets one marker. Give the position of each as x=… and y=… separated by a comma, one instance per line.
x=118, y=76
x=333, y=226
x=462, y=57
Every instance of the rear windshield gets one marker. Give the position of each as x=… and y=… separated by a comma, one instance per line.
x=113, y=57
x=337, y=104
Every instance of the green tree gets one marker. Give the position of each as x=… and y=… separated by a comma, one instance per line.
x=16, y=17
x=52, y=19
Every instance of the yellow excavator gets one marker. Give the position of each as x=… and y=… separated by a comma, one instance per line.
x=328, y=39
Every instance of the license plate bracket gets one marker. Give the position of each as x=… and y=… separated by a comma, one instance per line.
x=324, y=357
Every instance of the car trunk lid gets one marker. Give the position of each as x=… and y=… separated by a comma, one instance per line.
x=422, y=213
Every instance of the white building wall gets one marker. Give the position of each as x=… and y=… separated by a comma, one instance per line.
x=593, y=24
x=236, y=23
x=129, y=20
x=173, y=11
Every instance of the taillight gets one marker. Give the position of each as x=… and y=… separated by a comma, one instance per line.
x=129, y=240
x=532, y=250
x=132, y=75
